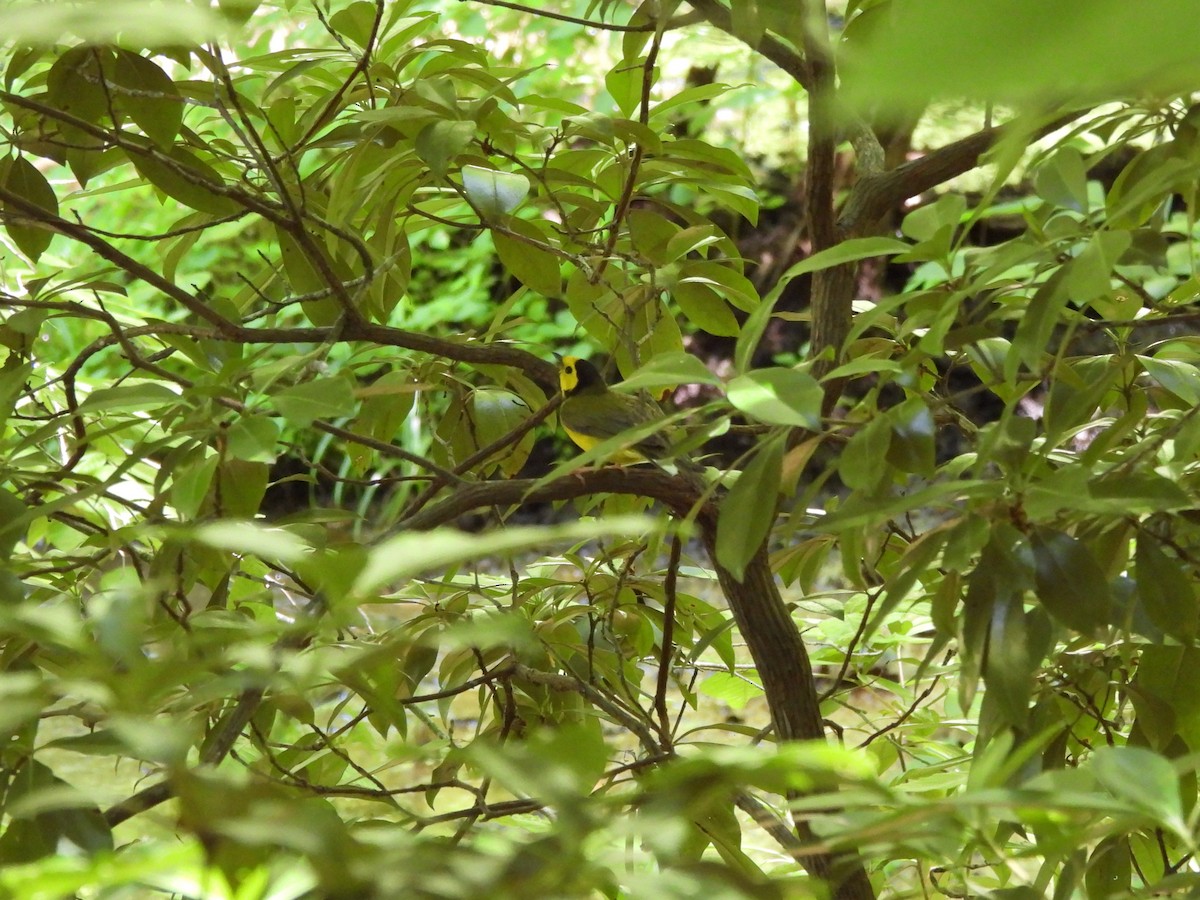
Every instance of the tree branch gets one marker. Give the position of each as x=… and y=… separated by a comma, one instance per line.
x=679, y=22
x=768, y=45
x=541, y=371
x=874, y=196
x=220, y=741
x=870, y=200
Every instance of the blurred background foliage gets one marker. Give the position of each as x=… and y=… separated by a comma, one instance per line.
x=302, y=595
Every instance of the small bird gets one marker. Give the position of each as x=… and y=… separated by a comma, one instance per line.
x=591, y=413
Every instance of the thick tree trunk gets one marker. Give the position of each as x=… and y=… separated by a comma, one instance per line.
x=783, y=665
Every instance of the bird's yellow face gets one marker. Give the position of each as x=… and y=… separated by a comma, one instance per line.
x=568, y=373
x=578, y=376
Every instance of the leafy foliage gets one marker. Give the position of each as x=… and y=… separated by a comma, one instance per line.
x=329, y=247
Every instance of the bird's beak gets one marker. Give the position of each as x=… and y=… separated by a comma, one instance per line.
x=558, y=357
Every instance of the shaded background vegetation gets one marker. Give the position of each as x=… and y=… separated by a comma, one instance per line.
x=281, y=284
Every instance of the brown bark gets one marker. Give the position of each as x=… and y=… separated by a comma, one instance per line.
x=783, y=664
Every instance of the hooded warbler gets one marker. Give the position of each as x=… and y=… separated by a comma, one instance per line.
x=591, y=413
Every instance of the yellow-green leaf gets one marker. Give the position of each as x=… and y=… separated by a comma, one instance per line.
x=494, y=193
x=528, y=260
x=30, y=185
x=749, y=509
x=185, y=177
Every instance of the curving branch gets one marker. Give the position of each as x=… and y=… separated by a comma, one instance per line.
x=768, y=45
x=539, y=370
x=871, y=199
x=874, y=196
x=678, y=22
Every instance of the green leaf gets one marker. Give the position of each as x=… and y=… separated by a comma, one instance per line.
x=241, y=486
x=1144, y=779
x=724, y=279
x=778, y=396
x=624, y=83
x=75, y=84
x=190, y=484
x=11, y=508
x=1144, y=185
x=455, y=434
x=669, y=370
x=387, y=404
x=704, y=309
x=528, y=260
x=849, y=251
x=749, y=509
x=1008, y=669
x=22, y=179
x=269, y=543
x=354, y=22
x=1166, y=591
x=304, y=278
x=918, y=557
x=863, y=461
x=321, y=398
x=734, y=690
x=696, y=94
x=154, y=103
x=1064, y=488
x=740, y=198
x=865, y=365
x=1185, y=293
x=408, y=555
x=914, y=434
x=1133, y=493
x=494, y=193
x=253, y=438
x=1009, y=441
x=133, y=395
x=692, y=240
x=183, y=176
x=1070, y=583
x=559, y=764
x=132, y=22
x=496, y=413
x=1166, y=694
x=1175, y=375
x=1062, y=180
x=13, y=373
x=994, y=588
x=439, y=143
x=748, y=26
x=64, y=819
x=1090, y=273
x=1109, y=868
x=948, y=50
x=1036, y=325
x=875, y=510
x=650, y=233
x=845, y=252
x=941, y=217
x=1076, y=393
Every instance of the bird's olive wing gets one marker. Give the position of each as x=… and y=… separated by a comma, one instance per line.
x=608, y=415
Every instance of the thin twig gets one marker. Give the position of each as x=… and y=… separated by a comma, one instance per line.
x=679, y=22
x=668, y=640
